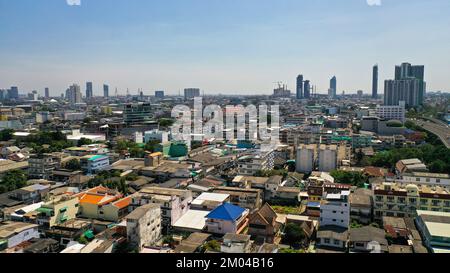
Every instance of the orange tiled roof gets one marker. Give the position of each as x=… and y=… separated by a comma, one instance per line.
x=122, y=203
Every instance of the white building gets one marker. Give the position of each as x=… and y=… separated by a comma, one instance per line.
x=260, y=161
x=327, y=158
x=14, y=233
x=144, y=225
x=392, y=112
x=423, y=179
x=236, y=243
x=305, y=158
x=335, y=210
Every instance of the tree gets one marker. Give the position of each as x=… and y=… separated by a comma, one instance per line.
x=84, y=141
x=212, y=245
x=73, y=165
x=13, y=180
x=165, y=122
x=6, y=134
x=438, y=166
x=293, y=234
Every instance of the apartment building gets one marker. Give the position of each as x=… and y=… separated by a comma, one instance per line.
x=305, y=158
x=144, y=225
x=174, y=203
x=227, y=218
x=40, y=166
x=392, y=112
x=92, y=164
x=422, y=179
x=335, y=210
x=57, y=211
x=14, y=233
x=398, y=200
x=247, y=198
x=251, y=164
x=327, y=158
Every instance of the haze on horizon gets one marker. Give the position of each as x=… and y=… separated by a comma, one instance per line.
x=228, y=47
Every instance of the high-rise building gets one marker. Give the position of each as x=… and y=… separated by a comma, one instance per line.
x=13, y=93
x=137, y=113
x=190, y=93
x=159, y=94
x=47, y=93
x=89, y=91
x=408, y=86
x=105, y=91
x=73, y=94
x=300, y=87
x=306, y=89
x=375, y=82
x=333, y=87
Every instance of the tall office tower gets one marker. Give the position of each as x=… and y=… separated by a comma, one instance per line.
x=73, y=94
x=190, y=93
x=300, y=87
x=408, y=86
x=13, y=93
x=3, y=94
x=137, y=113
x=89, y=91
x=105, y=91
x=47, y=93
x=333, y=87
x=375, y=81
x=159, y=94
x=306, y=89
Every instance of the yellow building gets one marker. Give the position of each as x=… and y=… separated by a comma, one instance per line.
x=58, y=211
x=103, y=204
x=396, y=200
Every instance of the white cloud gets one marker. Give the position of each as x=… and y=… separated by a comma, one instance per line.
x=374, y=2
x=73, y=2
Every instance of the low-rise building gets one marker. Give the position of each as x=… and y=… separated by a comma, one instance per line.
x=335, y=210
x=263, y=226
x=92, y=164
x=14, y=233
x=367, y=239
x=435, y=229
x=57, y=211
x=227, y=218
x=392, y=199
x=236, y=243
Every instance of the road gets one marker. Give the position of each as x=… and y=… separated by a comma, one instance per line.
x=440, y=129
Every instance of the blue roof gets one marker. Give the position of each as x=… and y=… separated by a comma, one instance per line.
x=227, y=212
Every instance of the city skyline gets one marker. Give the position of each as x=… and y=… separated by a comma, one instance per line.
x=237, y=47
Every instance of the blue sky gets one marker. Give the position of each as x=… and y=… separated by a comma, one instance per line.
x=220, y=46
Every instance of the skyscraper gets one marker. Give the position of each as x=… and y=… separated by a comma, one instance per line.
x=375, y=82
x=47, y=93
x=13, y=93
x=73, y=94
x=89, y=91
x=306, y=89
x=105, y=91
x=190, y=93
x=159, y=94
x=300, y=87
x=333, y=87
x=408, y=86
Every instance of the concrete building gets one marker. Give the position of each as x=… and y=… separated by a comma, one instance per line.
x=299, y=89
x=144, y=225
x=327, y=159
x=435, y=230
x=73, y=94
x=397, y=200
x=156, y=135
x=174, y=203
x=105, y=91
x=92, y=164
x=422, y=179
x=190, y=93
x=89, y=90
x=137, y=113
x=14, y=233
x=392, y=112
x=409, y=86
x=375, y=82
x=251, y=164
x=236, y=243
x=58, y=210
x=305, y=158
x=227, y=218
x=335, y=210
